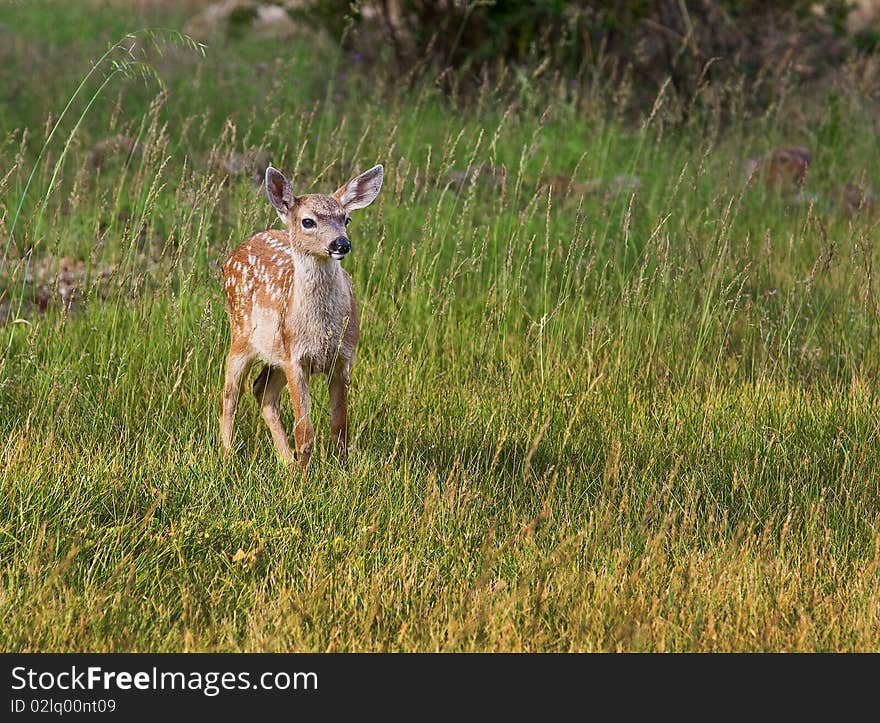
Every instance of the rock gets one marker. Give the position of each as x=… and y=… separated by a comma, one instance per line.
x=862, y=15
x=272, y=21
x=53, y=282
x=233, y=18
x=214, y=19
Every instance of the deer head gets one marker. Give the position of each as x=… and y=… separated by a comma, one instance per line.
x=316, y=222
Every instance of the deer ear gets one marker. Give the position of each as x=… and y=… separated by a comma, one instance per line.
x=359, y=192
x=279, y=192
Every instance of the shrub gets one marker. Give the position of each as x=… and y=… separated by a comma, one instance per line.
x=691, y=46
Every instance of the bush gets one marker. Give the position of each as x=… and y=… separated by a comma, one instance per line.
x=691, y=46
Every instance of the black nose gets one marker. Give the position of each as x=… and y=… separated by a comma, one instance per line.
x=340, y=245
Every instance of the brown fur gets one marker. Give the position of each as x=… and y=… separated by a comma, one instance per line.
x=291, y=305
x=784, y=169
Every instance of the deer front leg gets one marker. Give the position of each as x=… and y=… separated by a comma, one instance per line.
x=267, y=390
x=237, y=363
x=339, y=379
x=303, y=431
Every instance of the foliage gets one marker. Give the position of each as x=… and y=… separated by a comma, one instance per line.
x=702, y=48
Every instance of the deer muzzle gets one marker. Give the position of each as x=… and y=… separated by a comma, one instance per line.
x=339, y=247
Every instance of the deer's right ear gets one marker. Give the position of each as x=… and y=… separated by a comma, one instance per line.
x=279, y=192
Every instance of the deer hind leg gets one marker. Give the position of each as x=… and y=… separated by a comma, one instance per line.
x=237, y=364
x=303, y=431
x=339, y=379
x=267, y=389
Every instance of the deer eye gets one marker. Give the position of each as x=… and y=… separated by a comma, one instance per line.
x=308, y=223
x=347, y=220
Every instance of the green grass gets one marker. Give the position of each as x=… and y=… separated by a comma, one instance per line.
x=591, y=421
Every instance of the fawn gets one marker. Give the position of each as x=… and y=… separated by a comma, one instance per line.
x=291, y=305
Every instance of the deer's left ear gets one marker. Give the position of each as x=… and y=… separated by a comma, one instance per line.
x=360, y=192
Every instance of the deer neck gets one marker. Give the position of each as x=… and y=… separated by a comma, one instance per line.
x=320, y=303
x=314, y=276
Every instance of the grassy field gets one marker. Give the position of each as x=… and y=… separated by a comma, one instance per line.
x=637, y=412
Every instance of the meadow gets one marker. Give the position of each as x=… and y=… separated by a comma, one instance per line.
x=610, y=394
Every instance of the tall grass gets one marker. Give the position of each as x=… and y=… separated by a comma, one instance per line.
x=633, y=413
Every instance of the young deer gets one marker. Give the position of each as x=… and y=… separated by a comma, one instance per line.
x=291, y=305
